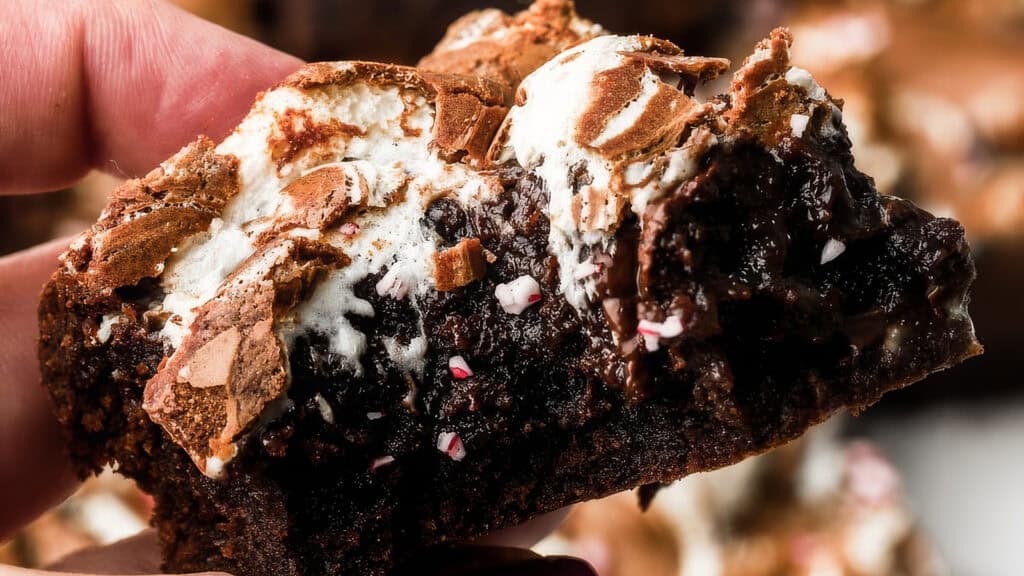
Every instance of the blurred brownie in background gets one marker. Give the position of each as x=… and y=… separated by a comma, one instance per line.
x=818, y=506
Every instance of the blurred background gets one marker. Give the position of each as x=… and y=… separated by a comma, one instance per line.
x=929, y=481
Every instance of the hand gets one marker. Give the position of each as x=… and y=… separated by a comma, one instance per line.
x=120, y=85
x=500, y=554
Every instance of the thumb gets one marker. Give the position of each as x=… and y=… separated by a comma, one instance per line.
x=118, y=85
x=139, y=554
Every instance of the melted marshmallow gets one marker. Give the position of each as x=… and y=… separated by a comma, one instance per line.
x=542, y=138
x=387, y=237
x=107, y=324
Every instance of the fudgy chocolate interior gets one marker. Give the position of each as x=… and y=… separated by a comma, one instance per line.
x=776, y=340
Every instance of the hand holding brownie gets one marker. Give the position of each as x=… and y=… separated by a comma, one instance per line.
x=78, y=89
x=115, y=86
x=398, y=307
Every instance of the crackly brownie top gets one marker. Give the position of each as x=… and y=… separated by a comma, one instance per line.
x=349, y=173
x=506, y=47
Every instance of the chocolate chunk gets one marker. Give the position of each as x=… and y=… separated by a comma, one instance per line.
x=459, y=265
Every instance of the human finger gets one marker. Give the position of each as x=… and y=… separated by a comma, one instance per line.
x=118, y=85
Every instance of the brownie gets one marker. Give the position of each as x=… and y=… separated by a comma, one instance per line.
x=399, y=307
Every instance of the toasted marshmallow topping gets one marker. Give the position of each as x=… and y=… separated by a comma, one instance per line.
x=508, y=47
x=194, y=275
x=341, y=161
x=601, y=123
x=335, y=168
x=563, y=131
x=383, y=141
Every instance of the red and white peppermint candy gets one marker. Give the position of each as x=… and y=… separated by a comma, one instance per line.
x=833, y=249
x=459, y=368
x=588, y=269
x=392, y=284
x=451, y=444
x=518, y=295
x=349, y=229
x=654, y=331
x=381, y=462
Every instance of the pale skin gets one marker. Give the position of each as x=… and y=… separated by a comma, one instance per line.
x=115, y=85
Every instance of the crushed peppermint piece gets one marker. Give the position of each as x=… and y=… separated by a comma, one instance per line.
x=654, y=331
x=671, y=327
x=646, y=329
x=833, y=248
x=325, y=409
x=459, y=368
x=392, y=285
x=588, y=269
x=451, y=444
x=650, y=338
x=374, y=415
x=349, y=229
x=381, y=462
x=518, y=294
x=798, y=123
